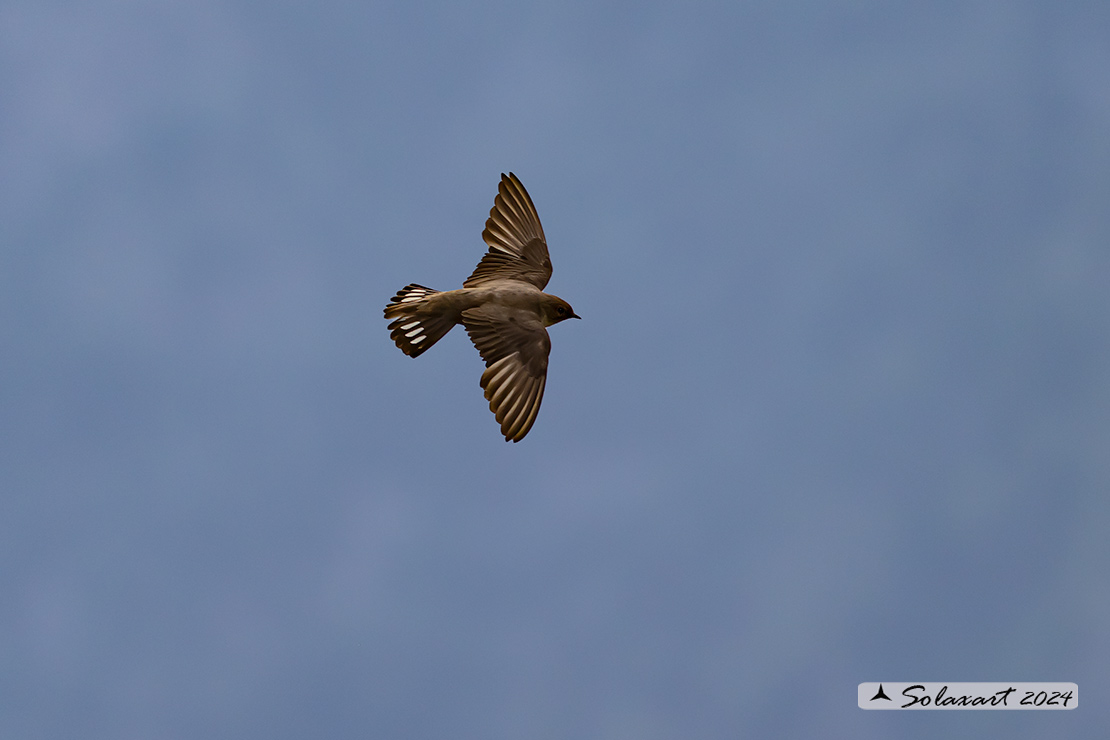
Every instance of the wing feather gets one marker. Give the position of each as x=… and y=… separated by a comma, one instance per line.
x=515, y=346
x=517, y=245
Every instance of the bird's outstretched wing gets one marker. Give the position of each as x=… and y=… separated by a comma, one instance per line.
x=515, y=346
x=517, y=246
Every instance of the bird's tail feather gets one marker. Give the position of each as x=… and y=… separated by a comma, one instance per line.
x=414, y=330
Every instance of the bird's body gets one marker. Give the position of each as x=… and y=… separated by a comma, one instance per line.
x=503, y=307
x=507, y=294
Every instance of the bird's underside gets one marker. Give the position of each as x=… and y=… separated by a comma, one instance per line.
x=502, y=307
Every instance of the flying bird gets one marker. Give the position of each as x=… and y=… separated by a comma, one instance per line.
x=502, y=306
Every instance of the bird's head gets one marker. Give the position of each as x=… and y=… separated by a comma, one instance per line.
x=556, y=309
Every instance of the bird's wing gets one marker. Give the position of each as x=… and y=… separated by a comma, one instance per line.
x=515, y=346
x=517, y=247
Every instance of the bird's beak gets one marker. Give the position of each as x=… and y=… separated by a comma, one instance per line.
x=573, y=315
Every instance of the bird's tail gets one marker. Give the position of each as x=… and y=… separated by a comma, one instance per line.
x=415, y=328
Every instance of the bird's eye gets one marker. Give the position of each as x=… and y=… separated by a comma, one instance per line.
x=561, y=310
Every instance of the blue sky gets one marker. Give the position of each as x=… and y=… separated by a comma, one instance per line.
x=837, y=410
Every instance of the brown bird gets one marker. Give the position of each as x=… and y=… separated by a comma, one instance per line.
x=503, y=307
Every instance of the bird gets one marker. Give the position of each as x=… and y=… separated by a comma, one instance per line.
x=501, y=305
